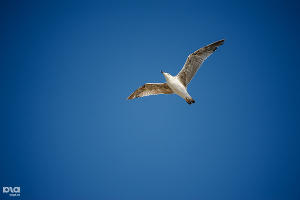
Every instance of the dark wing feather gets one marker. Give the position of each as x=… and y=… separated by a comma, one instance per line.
x=195, y=60
x=151, y=89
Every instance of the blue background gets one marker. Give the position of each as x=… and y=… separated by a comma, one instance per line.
x=68, y=132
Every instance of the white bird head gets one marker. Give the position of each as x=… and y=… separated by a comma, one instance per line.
x=166, y=75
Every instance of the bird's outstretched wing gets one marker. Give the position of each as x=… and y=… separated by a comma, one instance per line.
x=151, y=89
x=194, y=61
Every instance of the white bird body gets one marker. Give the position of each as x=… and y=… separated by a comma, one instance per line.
x=178, y=84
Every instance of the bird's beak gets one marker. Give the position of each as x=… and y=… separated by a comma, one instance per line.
x=161, y=71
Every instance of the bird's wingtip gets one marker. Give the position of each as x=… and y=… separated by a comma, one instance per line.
x=220, y=42
x=131, y=97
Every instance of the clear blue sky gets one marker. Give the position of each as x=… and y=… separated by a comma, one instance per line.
x=68, y=132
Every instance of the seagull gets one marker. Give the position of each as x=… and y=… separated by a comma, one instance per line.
x=178, y=84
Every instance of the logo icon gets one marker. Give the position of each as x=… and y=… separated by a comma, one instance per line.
x=12, y=191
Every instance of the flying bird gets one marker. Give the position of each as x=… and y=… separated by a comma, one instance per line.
x=178, y=84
